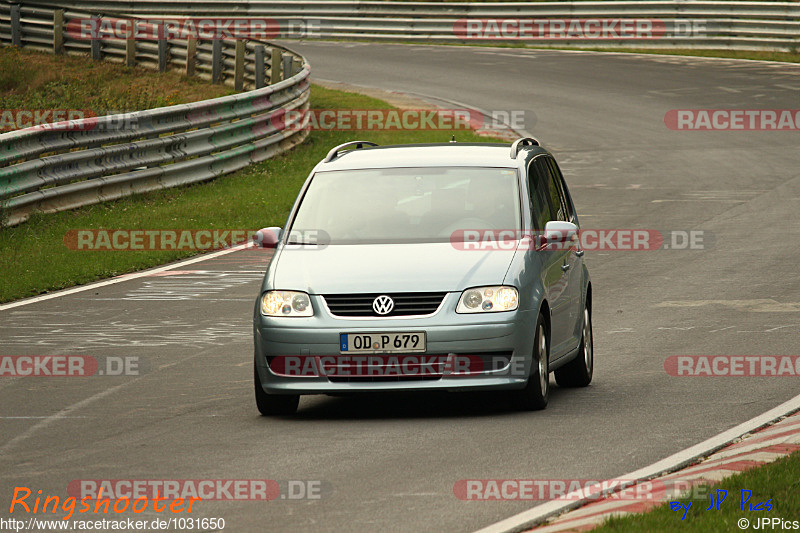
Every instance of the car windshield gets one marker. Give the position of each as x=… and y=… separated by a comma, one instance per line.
x=403, y=205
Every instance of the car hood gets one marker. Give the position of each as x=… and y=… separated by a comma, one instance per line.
x=424, y=267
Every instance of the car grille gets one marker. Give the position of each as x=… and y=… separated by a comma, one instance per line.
x=405, y=304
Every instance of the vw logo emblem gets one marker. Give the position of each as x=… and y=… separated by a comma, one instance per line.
x=383, y=305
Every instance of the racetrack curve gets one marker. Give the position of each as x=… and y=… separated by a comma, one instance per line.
x=390, y=463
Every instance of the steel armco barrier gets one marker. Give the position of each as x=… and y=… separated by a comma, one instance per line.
x=70, y=164
x=735, y=24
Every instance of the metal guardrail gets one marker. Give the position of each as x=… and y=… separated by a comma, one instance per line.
x=734, y=24
x=56, y=167
x=51, y=169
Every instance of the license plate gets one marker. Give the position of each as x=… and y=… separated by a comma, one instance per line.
x=382, y=342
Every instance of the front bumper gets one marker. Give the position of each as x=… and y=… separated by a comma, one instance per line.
x=503, y=342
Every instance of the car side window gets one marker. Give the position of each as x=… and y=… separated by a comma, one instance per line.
x=538, y=201
x=558, y=178
x=552, y=190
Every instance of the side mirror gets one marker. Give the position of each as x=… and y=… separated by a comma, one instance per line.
x=267, y=237
x=558, y=235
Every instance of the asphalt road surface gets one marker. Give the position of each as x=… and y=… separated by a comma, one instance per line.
x=390, y=463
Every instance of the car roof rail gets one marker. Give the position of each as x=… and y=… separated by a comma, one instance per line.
x=357, y=144
x=519, y=143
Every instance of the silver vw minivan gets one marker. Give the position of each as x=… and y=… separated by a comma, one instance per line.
x=453, y=266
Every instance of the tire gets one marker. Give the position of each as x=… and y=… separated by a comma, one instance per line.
x=578, y=372
x=534, y=396
x=274, y=404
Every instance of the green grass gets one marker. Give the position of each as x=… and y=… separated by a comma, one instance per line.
x=35, y=80
x=778, y=481
x=34, y=258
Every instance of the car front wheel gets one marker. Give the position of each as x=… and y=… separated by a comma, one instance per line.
x=534, y=396
x=578, y=372
x=274, y=404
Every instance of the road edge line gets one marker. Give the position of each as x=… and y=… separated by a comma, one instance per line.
x=123, y=277
x=537, y=515
x=534, y=49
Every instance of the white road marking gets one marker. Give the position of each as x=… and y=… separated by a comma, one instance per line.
x=721, y=329
x=191, y=285
x=713, y=196
x=621, y=330
x=538, y=514
x=104, y=333
x=697, y=200
x=758, y=305
x=36, y=417
x=515, y=56
x=662, y=58
x=124, y=277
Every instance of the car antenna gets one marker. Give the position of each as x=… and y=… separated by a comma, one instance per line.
x=453, y=139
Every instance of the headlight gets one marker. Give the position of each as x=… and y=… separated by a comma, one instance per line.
x=286, y=303
x=488, y=300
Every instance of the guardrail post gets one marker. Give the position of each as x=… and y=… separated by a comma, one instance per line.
x=162, y=53
x=275, y=70
x=58, y=31
x=191, y=55
x=216, y=61
x=130, y=45
x=16, y=27
x=260, y=65
x=238, y=67
x=288, y=71
x=96, y=55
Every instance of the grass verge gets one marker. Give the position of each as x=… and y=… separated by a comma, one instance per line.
x=39, y=81
x=34, y=258
x=778, y=482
